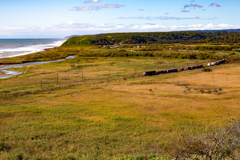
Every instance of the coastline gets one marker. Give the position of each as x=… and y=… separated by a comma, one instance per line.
x=28, y=48
x=16, y=49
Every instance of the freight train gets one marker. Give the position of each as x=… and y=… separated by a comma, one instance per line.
x=151, y=73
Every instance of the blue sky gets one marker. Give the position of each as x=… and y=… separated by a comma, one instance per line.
x=60, y=18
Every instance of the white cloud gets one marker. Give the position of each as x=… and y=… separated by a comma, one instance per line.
x=185, y=11
x=93, y=7
x=167, y=18
x=147, y=26
x=215, y=4
x=193, y=6
x=72, y=27
x=92, y=1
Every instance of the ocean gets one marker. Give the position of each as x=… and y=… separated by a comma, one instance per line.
x=17, y=47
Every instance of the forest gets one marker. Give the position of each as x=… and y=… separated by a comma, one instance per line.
x=186, y=37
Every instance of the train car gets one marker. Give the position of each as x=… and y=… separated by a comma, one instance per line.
x=181, y=69
x=159, y=72
x=165, y=71
x=213, y=63
x=150, y=73
x=222, y=61
x=199, y=66
x=174, y=70
x=169, y=71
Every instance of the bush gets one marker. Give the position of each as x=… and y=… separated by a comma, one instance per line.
x=232, y=53
x=207, y=70
x=219, y=144
x=143, y=157
x=4, y=146
x=19, y=156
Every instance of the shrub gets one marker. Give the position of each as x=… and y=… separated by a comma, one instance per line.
x=4, y=146
x=202, y=91
x=219, y=144
x=207, y=70
x=18, y=156
x=143, y=157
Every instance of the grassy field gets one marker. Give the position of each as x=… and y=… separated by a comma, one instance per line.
x=177, y=51
x=102, y=108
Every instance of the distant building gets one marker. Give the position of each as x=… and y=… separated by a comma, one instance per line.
x=104, y=46
x=138, y=46
x=116, y=46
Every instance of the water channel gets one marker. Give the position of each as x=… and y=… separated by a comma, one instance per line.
x=8, y=74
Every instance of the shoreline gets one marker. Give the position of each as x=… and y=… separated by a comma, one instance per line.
x=29, y=48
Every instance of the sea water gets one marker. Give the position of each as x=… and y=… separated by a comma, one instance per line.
x=17, y=47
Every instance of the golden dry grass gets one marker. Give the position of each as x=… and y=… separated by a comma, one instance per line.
x=109, y=116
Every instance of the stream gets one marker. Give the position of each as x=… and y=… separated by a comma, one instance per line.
x=8, y=74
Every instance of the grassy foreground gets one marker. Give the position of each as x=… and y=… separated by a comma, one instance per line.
x=102, y=108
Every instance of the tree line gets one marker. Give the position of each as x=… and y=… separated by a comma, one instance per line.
x=186, y=37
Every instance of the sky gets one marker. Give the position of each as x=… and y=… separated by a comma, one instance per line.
x=61, y=18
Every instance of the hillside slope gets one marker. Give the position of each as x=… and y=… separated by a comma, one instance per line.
x=186, y=37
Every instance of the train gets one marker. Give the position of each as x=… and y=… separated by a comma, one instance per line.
x=217, y=63
x=151, y=73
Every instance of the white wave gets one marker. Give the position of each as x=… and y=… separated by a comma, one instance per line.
x=13, y=52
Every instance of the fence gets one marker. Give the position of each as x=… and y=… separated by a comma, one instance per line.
x=37, y=83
